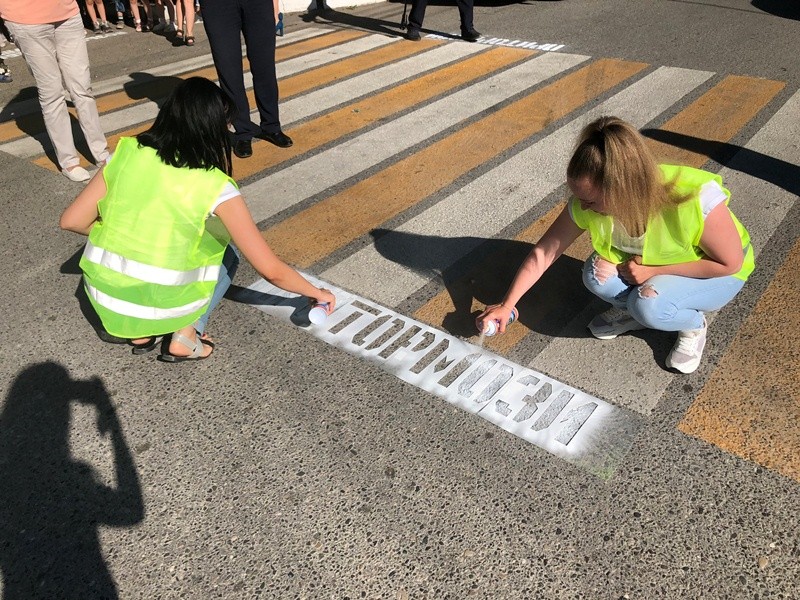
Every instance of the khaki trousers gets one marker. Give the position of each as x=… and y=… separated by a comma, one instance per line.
x=54, y=51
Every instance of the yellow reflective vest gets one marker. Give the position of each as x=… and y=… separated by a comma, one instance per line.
x=671, y=237
x=152, y=260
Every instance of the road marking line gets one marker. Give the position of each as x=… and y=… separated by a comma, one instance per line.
x=515, y=187
x=751, y=408
x=337, y=220
x=566, y=422
x=717, y=115
x=360, y=114
x=505, y=42
x=371, y=82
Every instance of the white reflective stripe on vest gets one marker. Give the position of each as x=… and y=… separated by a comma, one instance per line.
x=151, y=313
x=147, y=273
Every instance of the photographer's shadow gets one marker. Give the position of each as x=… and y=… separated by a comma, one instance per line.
x=481, y=269
x=52, y=503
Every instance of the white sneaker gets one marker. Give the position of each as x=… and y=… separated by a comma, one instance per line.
x=688, y=350
x=78, y=174
x=613, y=322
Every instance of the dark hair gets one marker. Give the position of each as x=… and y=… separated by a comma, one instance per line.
x=191, y=129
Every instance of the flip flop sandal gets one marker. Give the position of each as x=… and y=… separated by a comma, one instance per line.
x=147, y=346
x=189, y=41
x=196, y=347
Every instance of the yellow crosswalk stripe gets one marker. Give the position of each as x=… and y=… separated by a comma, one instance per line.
x=337, y=220
x=749, y=407
x=362, y=113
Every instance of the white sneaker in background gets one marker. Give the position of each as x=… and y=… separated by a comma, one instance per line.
x=688, y=350
x=77, y=174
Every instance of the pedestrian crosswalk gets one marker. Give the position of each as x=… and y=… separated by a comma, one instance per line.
x=422, y=173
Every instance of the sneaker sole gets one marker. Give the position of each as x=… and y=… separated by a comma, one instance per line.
x=611, y=336
x=686, y=368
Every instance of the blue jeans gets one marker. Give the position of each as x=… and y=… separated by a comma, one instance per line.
x=230, y=262
x=664, y=302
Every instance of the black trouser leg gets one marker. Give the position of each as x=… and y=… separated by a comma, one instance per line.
x=259, y=36
x=465, y=10
x=224, y=26
x=417, y=14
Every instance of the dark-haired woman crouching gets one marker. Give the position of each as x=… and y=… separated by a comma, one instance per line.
x=159, y=259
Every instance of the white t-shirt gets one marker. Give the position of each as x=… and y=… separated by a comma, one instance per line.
x=228, y=192
x=711, y=195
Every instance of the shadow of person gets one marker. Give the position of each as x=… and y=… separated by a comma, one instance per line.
x=330, y=16
x=773, y=170
x=779, y=8
x=72, y=267
x=52, y=504
x=155, y=88
x=480, y=269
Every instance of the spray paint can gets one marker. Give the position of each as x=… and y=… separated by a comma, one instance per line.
x=318, y=313
x=491, y=328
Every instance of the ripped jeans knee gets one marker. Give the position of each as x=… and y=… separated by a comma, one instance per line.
x=602, y=279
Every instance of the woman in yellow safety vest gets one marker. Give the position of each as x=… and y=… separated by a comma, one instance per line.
x=666, y=247
x=160, y=217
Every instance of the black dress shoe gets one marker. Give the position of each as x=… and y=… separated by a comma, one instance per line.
x=243, y=148
x=278, y=138
x=413, y=35
x=470, y=35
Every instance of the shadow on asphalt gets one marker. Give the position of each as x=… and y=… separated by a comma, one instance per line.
x=52, y=503
x=330, y=15
x=155, y=88
x=492, y=264
x=787, y=9
x=773, y=170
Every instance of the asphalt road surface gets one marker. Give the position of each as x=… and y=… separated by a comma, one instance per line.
x=390, y=452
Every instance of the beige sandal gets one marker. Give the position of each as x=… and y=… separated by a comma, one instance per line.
x=196, y=347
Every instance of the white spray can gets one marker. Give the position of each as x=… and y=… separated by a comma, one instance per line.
x=491, y=328
x=318, y=313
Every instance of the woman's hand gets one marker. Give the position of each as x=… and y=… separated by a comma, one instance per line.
x=325, y=297
x=633, y=272
x=495, y=312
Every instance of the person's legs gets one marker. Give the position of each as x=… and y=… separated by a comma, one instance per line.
x=100, y=8
x=465, y=11
x=230, y=262
x=223, y=24
x=38, y=46
x=602, y=279
x=258, y=26
x=674, y=303
x=73, y=60
x=417, y=14
x=120, y=7
x=188, y=12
